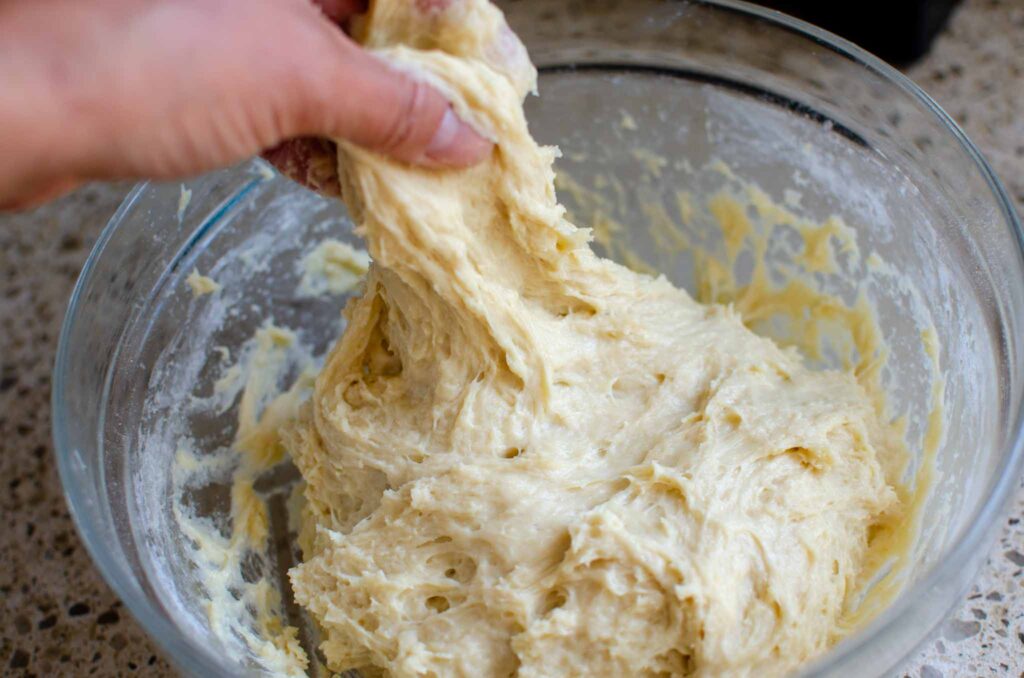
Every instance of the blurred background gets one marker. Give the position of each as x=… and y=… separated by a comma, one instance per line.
x=899, y=31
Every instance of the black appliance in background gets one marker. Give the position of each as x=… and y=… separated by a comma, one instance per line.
x=898, y=31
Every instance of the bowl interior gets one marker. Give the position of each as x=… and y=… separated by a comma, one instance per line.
x=656, y=120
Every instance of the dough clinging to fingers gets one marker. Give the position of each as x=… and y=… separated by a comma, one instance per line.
x=418, y=126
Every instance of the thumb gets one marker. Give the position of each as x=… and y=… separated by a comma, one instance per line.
x=381, y=108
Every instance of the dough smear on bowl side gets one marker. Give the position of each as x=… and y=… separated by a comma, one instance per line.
x=523, y=459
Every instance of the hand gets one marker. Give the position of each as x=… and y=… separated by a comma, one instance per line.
x=312, y=161
x=102, y=89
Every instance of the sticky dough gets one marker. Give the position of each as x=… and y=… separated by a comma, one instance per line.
x=522, y=459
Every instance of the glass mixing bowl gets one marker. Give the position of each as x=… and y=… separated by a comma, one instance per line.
x=650, y=94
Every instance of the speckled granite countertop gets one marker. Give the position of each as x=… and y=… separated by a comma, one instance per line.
x=59, y=618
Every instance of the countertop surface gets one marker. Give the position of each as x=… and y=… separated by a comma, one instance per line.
x=60, y=618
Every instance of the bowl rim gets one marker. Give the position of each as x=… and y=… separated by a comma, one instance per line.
x=199, y=659
x=979, y=532
x=178, y=647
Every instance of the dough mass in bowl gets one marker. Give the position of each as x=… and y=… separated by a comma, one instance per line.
x=523, y=459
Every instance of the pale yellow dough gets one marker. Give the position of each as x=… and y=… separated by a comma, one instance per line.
x=201, y=284
x=333, y=267
x=522, y=459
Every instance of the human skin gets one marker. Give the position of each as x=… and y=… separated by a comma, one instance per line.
x=115, y=89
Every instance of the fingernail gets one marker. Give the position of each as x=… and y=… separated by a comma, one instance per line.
x=455, y=144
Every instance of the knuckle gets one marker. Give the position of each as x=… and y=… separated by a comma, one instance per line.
x=400, y=131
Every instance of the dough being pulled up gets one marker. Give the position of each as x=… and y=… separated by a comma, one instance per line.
x=522, y=459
